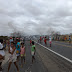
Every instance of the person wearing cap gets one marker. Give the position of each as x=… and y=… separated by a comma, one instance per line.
x=2, y=53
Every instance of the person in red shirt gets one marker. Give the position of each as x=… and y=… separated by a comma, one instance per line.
x=45, y=40
x=40, y=39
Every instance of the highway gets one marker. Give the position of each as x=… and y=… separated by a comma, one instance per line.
x=62, y=48
x=37, y=66
x=45, y=61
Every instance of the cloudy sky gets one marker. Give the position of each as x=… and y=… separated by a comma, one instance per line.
x=35, y=16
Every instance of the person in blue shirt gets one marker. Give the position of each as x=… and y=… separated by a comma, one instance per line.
x=69, y=39
x=18, y=49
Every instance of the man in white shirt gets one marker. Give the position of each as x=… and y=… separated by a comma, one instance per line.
x=2, y=53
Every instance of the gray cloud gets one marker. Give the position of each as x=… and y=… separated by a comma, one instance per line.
x=35, y=16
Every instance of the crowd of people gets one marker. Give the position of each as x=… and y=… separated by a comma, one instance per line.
x=45, y=39
x=17, y=52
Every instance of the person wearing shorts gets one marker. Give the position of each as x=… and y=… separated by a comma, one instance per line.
x=33, y=50
x=12, y=57
x=22, y=53
x=18, y=49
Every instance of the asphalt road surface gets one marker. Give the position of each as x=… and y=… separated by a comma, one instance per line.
x=37, y=66
x=62, y=48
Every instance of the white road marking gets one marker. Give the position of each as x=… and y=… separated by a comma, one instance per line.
x=55, y=53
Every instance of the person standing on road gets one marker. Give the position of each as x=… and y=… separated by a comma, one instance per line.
x=22, y=53
x=18, y=49
x=12, y=57
x=45, y=40
x=2, y=53
x=69, y=39
x=40, y=39
x=53, y=38
x=50, y=41
x=33, y=50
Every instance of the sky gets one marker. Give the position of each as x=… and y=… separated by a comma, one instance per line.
x=35, y=16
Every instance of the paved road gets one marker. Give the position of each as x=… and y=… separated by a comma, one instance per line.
x=37, y=66
x=62, y=48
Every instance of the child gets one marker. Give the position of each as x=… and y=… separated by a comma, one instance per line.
x=45, y=40
x=50, y=42
x=40, y=39
x=33, y=50
x=22, y=53
x=18, y=48
x=12, y=57
x=69, y=40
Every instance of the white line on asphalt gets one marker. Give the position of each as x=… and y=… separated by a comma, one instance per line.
x=55, y=53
